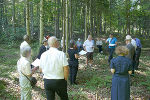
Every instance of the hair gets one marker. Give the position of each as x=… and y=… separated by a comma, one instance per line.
x=72, y=43
x=52, y=41
x=122, y=50
x=89, y=36
x=25, y=50
x=26, y=37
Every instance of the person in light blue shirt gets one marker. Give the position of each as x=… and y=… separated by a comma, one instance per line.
x=112, y=41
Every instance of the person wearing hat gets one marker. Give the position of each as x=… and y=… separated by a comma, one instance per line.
x=79, y=44
x=43, y=48
x=131, y=50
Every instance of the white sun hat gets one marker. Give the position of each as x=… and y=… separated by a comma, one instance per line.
x=128, y=37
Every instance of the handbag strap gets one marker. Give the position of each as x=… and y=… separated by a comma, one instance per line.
x=111, y=40
x=26, y=76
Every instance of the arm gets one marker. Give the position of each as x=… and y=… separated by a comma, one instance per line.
x=77, y=56
x=130, y=72
x=66, y=72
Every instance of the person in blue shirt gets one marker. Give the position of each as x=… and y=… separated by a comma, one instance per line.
x=79, y=44
x=121, y=68
x=137, y=52
x=112, y=45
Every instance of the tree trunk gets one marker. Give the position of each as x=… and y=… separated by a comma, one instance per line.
x=85, y=30
x=100, y=26
x=1, y=15
x=32, y=20
x=67, y=26
x=27, y=19
x=41, y=21
x=70, y=19
x=14, y=17
x=63, y=24
x=128, y=16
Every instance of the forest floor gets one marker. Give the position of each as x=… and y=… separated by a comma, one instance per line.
x=94, y=83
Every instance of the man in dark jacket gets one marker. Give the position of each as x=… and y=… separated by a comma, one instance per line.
x=131, y=50
x=43, y=48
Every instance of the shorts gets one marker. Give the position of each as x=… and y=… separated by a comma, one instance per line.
x=89, y=55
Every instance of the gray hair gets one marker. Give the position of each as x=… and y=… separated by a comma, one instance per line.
x=52, y=40
x=25, y=50
x=26, y=37
x=89, y=36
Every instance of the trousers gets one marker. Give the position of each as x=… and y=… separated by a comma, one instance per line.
x=58, y=86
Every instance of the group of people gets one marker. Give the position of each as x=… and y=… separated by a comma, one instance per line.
x=56, y=68
x=123, y=65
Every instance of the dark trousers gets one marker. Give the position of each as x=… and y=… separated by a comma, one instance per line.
x=137, y=57
x=73, y=73
x=111, y=51
x=100, y=48
x=56, y=85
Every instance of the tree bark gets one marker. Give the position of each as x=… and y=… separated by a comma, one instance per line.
x=41, y=21
x=70, y=19
x=14, y=17
x=32, y=20
x=66, y=26
x=27, y=19
x=85, y=25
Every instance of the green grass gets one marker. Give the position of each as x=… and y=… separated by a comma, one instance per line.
x=91, y=80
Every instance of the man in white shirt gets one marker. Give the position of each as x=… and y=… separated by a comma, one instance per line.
x=89, y=48
x=54, y=66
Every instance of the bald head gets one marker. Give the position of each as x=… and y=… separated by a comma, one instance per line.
x=53, y=42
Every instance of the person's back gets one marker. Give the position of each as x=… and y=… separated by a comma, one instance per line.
x=52, y=63
x=54, y=66
x=131, y=51
x=121, y=65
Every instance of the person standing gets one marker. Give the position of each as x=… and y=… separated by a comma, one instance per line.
x=99, y=44
x=112, y=45
x=24, y=68
x=73, y=63
x=131, y=50
x=54, y=66
x=79, y=44
x=137, y=53
x=89, y=48
x=43, y=48
x=25, y=42
x=121, y=67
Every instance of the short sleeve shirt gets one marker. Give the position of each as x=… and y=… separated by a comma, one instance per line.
x=112, y=41
x=89, y=45
x=23, y=65
x=72, y=59
x=52, y=63
x=121, y=65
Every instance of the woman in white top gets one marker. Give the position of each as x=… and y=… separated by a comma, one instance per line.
x=99, y=44
x=24, y=67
